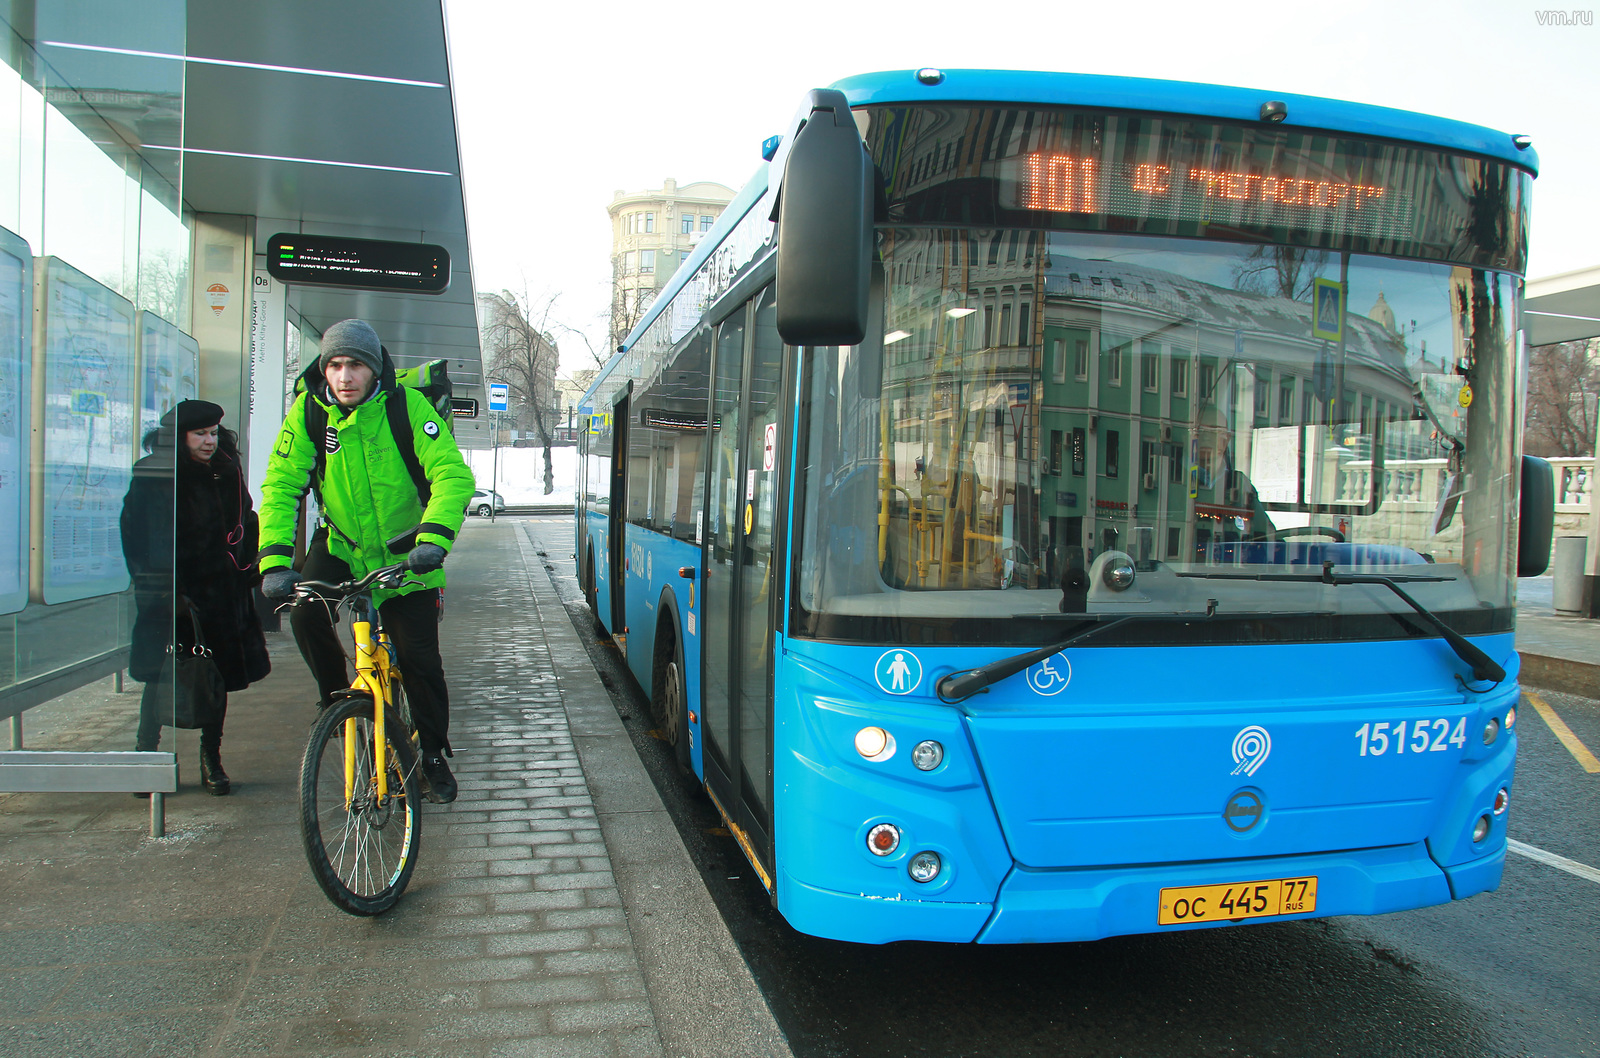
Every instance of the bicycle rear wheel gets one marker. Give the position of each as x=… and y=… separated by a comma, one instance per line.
x=361, y=849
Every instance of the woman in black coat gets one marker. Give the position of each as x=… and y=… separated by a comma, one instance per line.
x=212, y=531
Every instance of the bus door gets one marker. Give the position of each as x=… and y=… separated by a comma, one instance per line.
x=740, y=573
x=617, y=518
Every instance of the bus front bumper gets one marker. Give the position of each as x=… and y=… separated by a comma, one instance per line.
x=1045, y=906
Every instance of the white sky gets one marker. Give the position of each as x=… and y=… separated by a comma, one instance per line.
x=560, y=105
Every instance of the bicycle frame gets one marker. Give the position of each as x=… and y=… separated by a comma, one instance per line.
x=373, y=674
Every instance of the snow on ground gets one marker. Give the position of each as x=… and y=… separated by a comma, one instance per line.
x=519, y=476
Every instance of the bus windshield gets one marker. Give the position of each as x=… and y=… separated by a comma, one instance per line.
x=1050, y=423
x=1141, y=363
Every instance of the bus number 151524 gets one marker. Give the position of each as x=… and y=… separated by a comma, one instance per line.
x=1424, y=736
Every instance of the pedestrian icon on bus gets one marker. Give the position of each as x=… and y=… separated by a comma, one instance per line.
x=898, y=671
x=1050, y=676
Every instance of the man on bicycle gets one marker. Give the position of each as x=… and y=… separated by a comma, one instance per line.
x=369, y=500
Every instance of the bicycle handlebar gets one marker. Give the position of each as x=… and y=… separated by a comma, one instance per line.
x=350, y=587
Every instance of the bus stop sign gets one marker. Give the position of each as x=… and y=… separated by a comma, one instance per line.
x=497, y=396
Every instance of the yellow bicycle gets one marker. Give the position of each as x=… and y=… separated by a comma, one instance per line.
x=359, y=789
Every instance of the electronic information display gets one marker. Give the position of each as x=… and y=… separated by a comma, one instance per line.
x=363, y=264
x=85, y=352
x=1164, y=175
x=16, y=399
x=1049, y=180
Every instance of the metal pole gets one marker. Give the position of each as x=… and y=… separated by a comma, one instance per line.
x=158, y=815
x=494, y=468
x=16, y=731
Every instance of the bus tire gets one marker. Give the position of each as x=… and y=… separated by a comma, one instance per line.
x=669, y=698
x=591, y=595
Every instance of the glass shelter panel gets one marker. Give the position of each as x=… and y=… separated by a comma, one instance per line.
x=94, y=236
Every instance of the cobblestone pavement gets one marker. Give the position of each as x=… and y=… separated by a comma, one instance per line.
x=513, y=938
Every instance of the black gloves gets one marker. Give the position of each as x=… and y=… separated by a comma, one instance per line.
x=279, y=584
x=425, y=558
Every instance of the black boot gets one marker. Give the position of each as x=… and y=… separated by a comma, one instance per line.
x=212, y=777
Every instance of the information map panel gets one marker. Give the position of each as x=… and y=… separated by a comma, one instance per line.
x=364, y=264
x=90, y=414
x=16, y=397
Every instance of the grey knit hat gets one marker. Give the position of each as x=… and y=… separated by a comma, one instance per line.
x=353, y=338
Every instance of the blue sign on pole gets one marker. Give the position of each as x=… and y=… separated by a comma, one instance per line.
x=497, y=396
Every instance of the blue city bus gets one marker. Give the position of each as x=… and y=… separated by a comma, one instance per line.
x=1050, y=506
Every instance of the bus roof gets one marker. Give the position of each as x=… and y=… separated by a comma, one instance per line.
x=1183, y=97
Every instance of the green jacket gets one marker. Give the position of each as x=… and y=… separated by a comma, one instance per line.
x=368, y=497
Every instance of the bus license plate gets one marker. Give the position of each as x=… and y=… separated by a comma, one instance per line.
x=1236, y=900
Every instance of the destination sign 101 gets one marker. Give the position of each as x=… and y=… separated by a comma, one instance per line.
x=363, y=264
x=1068, y=183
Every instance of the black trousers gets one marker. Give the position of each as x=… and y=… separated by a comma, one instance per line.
x=412, y=622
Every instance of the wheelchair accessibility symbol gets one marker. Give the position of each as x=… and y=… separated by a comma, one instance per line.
x=898, y=671
x=1050, y=676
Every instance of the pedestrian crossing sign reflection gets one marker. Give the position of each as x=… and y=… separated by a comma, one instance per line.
x=1327, y=310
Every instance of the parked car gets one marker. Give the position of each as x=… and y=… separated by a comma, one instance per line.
x=481, y=499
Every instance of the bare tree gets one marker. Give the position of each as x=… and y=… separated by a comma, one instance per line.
x=1563, y=399
x=521, y=352
x=1279, y=271
x=628, y=305
x=163, y=281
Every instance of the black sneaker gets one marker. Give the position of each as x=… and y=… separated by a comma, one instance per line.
x=437, y=782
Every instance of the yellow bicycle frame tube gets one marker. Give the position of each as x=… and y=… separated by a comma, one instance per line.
x=372, y=675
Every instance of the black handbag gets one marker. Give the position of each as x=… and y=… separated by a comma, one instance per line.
x=199, y=693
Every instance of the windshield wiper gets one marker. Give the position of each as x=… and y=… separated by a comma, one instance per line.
x=1483, y=667
x=961, y=685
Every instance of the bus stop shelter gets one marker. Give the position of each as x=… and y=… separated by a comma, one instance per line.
x=1566, y=308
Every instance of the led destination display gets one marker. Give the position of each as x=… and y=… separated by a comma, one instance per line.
x=1071, y=184
x=1155, y=174
x=365, y=264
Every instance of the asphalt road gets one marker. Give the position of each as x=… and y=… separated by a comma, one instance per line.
x=1513, y=973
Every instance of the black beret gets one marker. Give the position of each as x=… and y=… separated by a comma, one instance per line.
x=193, y=415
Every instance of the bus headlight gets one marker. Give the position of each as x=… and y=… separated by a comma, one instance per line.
x=1511, y=717
x=1480, y=829
x=1491, y=731
x=874, y=743
x=927, y=755
x=1502, y=799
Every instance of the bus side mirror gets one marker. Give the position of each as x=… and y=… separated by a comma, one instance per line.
x=1536, y=523
x=824, y=212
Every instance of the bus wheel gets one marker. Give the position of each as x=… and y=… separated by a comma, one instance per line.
x=591, y=596
x=669, y=699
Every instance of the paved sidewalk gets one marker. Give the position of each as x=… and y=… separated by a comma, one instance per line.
x=533, y=925
x=1558, y=653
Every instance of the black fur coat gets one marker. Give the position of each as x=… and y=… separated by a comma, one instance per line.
x=212, y=530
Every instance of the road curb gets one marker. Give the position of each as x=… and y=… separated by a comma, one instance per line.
x=1549, y=673
x=706, y=1001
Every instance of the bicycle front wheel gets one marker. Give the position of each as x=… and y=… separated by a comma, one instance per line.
x=362, y=847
